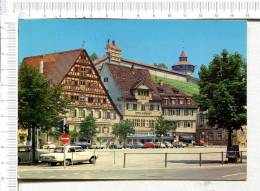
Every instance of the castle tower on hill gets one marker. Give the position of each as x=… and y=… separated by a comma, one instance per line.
x=183, y=65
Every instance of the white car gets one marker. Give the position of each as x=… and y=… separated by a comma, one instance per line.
x=71, y=154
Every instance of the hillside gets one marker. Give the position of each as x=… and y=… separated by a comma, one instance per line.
x=185, y=87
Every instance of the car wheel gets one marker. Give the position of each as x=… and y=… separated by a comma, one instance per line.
x=67, y=162
x=53, y=163
x=92, y=160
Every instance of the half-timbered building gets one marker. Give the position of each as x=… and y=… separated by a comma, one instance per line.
x=81, y=83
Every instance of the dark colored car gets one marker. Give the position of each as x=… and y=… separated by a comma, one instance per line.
x=149, y=145
x=199, y=143
x=135, y=145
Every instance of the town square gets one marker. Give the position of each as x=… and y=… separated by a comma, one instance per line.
x=118, y=106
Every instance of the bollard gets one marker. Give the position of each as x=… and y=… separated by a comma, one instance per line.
x=241, y=157
x=222, y=158
x=165, y=160
x=64, y=158
x=124, y=160
x=72, y=158
x=200, y=159
x=114, y=157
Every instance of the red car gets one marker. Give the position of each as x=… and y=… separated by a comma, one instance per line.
x=199, y=143
x=149, y=145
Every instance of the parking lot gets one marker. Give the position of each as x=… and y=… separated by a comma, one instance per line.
x=134, y=160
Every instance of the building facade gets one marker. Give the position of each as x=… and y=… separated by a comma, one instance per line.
x=141, y=100
x=210, y=135
x=113, y=55
x=81, y=83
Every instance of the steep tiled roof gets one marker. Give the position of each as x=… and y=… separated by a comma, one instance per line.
x=126, y=78
x=167, y=91
x=183, y=54
x=56, y=65
x=184, y=63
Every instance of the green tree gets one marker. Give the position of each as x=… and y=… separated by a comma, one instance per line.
x=73, y=135
x=123, y=129
x=223, y=92
x=161, y=65
x=93, y=56
x=162, y=127
x=40, y=105
x=88, y=128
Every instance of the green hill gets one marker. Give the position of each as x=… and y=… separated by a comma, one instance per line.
x=185, y=87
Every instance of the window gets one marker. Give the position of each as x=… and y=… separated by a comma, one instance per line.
x=135, y=106
x=143, y=123
x=106, y=79
x=127, y=106
x=99, y=114
x=138, y=122
x=151, y=107
x=173, y=101
x=158, y=107
x=188, y=101
x=143, y=92
x=82, y=98
x=81, y=113
x=82, y=82
x=143, y=107
x=186, y=112
x=90, y=99
x=178, y=112
x=181, y=101
x=219, y=136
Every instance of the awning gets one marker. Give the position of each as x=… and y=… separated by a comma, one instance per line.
x=187, y=138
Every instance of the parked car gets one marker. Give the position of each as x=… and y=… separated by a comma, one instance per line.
x=25, y=153
x=160, y=145
x=135, y=145
x=83, y=144
x=199, y=143
x=149, y=145
x=168, y=144
x=75, y=154
x=115, y=146
x=179, y=144
x=99, y=146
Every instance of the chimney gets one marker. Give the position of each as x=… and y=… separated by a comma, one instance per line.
x=41, y=67
x=113, y=42
x=161, y=83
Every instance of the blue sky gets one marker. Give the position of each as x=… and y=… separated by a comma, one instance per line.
x=148, y=41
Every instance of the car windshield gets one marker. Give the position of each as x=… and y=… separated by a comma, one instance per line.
x=59, y=150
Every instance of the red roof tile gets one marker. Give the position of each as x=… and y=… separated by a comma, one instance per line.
x=56, y=65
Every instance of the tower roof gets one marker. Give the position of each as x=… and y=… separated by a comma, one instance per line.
x=183, y=54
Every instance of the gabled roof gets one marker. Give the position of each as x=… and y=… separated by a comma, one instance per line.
x=56, y=65
x=139, y=83
x=126, y=78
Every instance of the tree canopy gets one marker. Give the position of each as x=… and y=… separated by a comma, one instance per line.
x=162, y=127
x=222, y=87
x=123, y=129
x=161, y=65
x=40, y=105
x=88, y=128
x=93, y=56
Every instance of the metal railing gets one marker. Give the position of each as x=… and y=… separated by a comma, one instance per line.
x=200, y=154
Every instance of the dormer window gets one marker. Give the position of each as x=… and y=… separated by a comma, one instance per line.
x=173, y=101
x=143, y=92
x=181, y=101
x=188, y=101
